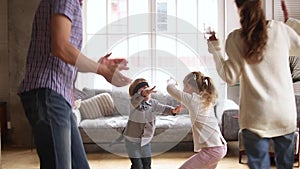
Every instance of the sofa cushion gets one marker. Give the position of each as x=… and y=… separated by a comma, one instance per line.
x=107, y=129
x=93, y=92
x=76, y=112
x=122, y=99
x=97, y=106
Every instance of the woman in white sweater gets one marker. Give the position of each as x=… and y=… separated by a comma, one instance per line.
x=258, y=58
x=199, y=96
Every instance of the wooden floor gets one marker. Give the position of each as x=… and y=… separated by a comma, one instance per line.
x=16, y=158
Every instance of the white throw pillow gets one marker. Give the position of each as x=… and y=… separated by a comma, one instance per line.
x=97, y=106
x=77, y=116
x=76, y=111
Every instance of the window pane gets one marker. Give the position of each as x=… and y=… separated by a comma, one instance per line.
x=118, y=27
x=188, y=12
x=140, y=18
x=166, y=13
x=187, y=54
x=116, y=16
x=118, y=45
x=99, y=82
x=161, y=20
x=117, y=9
x=95, y=14
x=169, y=60
x=170, y=6
x=96, y=46
x=170, y=40
x=190, y=42
x=138, y=7
x=138, y=43
x=208, y=15
x=140, y=23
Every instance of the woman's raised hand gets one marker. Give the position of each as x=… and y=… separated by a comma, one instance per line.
x=212, y=37
x=285, y=11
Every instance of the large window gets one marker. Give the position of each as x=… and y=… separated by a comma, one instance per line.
x=159, y=38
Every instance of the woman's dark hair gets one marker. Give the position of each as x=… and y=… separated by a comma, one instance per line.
x=254, y=29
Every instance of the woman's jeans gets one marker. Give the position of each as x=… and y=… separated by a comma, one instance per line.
x=56, y=136
x=140, y=157
x=257, y=150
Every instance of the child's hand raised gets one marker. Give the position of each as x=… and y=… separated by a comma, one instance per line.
x=146, y=92
x=176, y=110
x=171, y=81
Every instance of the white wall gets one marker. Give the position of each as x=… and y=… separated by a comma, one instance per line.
x=19, y=16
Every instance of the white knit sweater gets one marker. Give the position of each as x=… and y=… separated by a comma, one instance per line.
x=267, y=101
x=205, y=129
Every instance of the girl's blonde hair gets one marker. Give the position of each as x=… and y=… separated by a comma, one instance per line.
x=254, y=29
x=133, y=85
x=203, y=85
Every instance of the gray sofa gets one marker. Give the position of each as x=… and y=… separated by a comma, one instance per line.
x=99, y=131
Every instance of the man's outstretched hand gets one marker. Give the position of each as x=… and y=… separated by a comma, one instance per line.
x=110, y=70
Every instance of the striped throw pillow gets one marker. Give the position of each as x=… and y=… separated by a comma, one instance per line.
x=97, y=106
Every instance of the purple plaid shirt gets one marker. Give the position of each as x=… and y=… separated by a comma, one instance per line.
x=43, y=69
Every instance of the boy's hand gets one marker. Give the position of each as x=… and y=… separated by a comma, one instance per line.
x=177, y=109
x=146, y=92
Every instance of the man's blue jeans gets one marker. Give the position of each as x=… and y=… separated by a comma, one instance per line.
x=56, y=136
x=257, y=150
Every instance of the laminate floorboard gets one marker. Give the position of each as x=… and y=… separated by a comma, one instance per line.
x=20, y=158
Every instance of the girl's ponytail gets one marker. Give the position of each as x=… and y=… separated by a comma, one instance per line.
x=203, y=85
x=209, y=90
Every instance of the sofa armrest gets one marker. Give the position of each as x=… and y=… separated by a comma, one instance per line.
x=297, y=100
x=230, y=125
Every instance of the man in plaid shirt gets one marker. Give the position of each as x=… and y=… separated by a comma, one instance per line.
x=53, y=60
